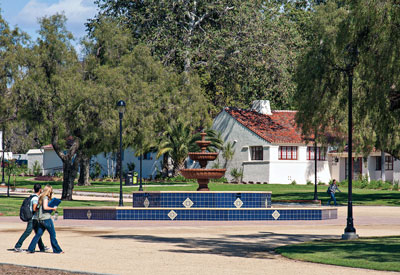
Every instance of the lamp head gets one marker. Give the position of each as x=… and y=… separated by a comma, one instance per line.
x=121, y=106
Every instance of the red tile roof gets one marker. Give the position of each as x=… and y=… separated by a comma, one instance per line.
x=48, y=146
x=280, y=127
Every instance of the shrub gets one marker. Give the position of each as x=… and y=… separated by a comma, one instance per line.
x=223, y=179
x=396, y=185
x=309, y=183
x=237, y=174
x=36, y=169
x=321, y=183
x=293, y=182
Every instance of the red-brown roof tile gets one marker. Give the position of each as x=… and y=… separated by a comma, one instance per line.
x=48, y=146
x=280, y=127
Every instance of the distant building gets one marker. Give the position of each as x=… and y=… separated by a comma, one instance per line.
x=269, y=148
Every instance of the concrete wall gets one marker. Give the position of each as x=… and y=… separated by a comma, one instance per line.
x=51, y=162
x=35, y=155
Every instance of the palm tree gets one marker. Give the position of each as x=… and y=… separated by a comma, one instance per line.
x=228, y=152
x=176, y=142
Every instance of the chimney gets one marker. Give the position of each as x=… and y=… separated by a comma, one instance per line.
x=262, y=107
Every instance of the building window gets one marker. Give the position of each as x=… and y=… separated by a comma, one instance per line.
x=256, y=153
x=146, y=156
x=356, y=168
x=287, y=152
x=321, y=153
x=388, y=163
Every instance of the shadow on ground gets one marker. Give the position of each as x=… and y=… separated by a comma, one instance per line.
x=260, y=245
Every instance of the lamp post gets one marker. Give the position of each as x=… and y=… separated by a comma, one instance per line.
x=350, y=231
x=2, y=160
x=315, y=170
x=140, y=171
x=121, y=109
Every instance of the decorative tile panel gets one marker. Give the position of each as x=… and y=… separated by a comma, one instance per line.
x=276, y=214
x=188, y=203
x=172, y=215
x=238, y=203
x=146, y=202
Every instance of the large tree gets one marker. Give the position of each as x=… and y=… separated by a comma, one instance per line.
x=155, y=96
x=353, y=41
x=242, y=50
x=55, y=99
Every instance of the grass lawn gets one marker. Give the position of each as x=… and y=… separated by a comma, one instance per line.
x=9, y=206
x=380, y=253
x=280, y=192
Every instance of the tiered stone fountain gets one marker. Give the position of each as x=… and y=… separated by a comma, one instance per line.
x=203, y=175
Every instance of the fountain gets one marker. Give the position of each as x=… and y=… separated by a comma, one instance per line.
x=203, y=175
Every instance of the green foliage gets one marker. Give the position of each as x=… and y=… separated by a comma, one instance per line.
x=363, y=183
x=293, y=182
x=237, y=174
x=242, y=50
x=36, y=168
x=309, y=183
x=95, y=170
x=352, y=41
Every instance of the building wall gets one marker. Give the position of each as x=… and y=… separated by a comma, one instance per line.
x=32, y=157
x=51, y=162
x=149, y=167
x=233, y=131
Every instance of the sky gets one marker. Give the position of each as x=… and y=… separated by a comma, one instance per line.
x=25, y=14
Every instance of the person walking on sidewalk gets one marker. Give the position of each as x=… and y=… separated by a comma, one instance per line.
x=32, y=223
x=332, y=190
x=45, y=221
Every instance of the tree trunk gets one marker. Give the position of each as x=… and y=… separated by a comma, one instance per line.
x=177, y=168
x=84, y=167
x=383, y=176
x=165, y=166
x=70, y=169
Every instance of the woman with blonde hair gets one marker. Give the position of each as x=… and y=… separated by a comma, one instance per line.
x=45, y=221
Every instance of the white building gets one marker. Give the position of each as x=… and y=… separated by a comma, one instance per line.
x=269, y=148
x=7, y=155
x=108, y=162
x=46, y=158
x=50, y=163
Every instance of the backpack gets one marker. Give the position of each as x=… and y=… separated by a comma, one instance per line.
x=329, y=191
x=25, y=212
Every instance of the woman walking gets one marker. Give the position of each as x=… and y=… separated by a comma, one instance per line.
x=45, y=221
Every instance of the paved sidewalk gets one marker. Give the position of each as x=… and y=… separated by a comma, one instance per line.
x=191, y=247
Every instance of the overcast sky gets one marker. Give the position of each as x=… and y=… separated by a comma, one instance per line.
x=25, y=14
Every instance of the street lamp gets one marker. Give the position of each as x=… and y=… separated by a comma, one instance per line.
x=350, y=231
x=2, y=161
x=121, y=109
x=315, y=169
x=140, y=170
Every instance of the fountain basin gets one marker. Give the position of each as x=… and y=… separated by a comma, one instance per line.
x=203, y=173
x=199, y=156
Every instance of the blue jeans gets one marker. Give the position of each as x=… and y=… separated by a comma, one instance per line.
x=32, y=224
x=332, y=198
x=49, y=226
